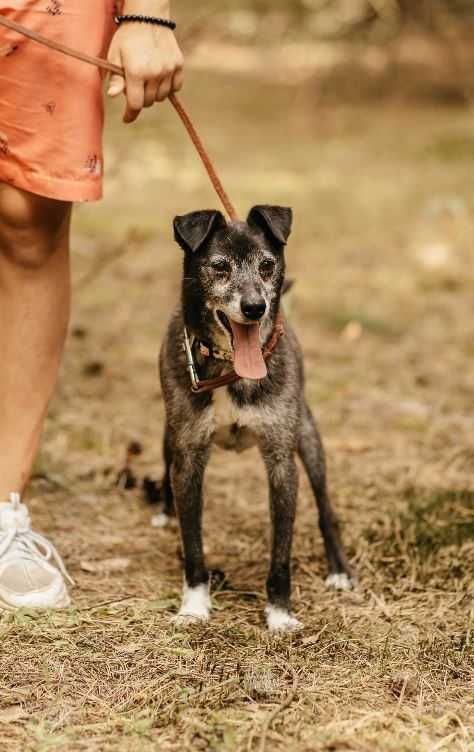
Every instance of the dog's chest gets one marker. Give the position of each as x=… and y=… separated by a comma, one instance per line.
x=233, y=427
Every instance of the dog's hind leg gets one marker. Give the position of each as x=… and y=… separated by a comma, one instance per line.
x=167, y=490
x=283, y=485
x=311, y=451
x=162, y=519
x=187, y=476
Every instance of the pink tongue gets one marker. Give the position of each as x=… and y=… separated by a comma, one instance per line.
x=248, y=358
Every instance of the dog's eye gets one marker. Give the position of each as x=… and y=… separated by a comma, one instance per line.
x=220, y=267
x=267, y=267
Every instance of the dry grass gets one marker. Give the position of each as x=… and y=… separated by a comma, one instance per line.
x=383, y=255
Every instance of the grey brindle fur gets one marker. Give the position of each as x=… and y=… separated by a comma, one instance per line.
x=231, y=267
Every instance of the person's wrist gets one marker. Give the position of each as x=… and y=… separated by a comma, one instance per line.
x=160, y=8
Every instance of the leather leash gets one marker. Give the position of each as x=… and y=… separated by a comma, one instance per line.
x=111, y=68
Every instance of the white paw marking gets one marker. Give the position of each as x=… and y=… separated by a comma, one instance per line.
x=280, y=620
x=160, y=520
x=339, y=581
x=195, y=606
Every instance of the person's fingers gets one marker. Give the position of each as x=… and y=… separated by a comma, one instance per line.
x=130, y=115
x=135, y=92
x=164, y=88
x=178, y=80
x=116, y=85
x=151, y=92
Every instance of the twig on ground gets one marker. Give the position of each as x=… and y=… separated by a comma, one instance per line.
x=107, y=603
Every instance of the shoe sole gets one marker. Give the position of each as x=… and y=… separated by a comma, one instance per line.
x=63, y=602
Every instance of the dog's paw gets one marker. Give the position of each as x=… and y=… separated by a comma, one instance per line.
x=160, y=520
x=279, y=620
x=195, y=606
x=183, y=618
x=339, y=581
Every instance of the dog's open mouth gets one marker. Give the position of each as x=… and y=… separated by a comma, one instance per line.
x=248, y=358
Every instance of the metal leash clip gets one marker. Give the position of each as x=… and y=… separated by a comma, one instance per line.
x=190, y=365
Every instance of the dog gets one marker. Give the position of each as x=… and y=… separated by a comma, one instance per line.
x=232, y=284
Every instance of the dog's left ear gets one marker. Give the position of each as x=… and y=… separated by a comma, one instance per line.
x=192, y=230
x=275, y=220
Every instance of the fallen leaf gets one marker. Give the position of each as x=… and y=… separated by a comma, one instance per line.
x=117, y=564
x=352, y=331
x=435, y=255
x=12, y=713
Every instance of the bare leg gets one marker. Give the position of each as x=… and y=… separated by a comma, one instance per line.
x=34, y=313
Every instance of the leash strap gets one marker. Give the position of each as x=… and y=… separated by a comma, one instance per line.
x=111, y=68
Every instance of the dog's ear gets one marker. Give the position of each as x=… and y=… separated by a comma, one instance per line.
x=274, y=220
x=192, y=230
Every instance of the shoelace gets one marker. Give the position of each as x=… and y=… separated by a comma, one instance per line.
x=33, y=545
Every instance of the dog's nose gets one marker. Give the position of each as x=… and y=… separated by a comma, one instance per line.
x=253, y=309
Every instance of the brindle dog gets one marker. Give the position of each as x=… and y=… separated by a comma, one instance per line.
x=231, y=290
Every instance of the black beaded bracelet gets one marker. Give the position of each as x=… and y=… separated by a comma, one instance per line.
x=147, y=20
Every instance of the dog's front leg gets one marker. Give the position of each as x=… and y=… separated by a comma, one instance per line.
x=283, y=486
x=186, y=476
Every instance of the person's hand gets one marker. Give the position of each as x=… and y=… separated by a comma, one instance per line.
x=152, y=61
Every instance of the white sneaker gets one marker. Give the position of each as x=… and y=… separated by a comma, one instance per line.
x=27, y=578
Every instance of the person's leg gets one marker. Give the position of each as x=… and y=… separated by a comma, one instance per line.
x=34, y=312
x=50, y=157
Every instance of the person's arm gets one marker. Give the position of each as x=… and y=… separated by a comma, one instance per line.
x=149, y=54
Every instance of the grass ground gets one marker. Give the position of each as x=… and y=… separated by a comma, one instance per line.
x=383, y=257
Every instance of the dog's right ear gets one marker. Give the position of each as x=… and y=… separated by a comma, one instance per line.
x=276, y=221
x=192, y=230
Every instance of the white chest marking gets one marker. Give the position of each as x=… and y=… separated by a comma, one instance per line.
x=233, y=428
x=225, y=412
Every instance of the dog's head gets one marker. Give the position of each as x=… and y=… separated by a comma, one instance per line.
x=233, y=277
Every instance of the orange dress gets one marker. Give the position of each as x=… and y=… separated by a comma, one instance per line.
x=51, y=106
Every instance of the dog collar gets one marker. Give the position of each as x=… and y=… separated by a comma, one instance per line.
x=199, y=386
x=209, y=351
